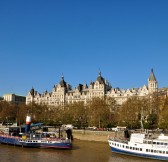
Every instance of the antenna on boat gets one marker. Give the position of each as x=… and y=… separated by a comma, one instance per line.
x=142, y=127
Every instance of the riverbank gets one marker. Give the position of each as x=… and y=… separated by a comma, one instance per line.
x=99, y=136
x=87, y=135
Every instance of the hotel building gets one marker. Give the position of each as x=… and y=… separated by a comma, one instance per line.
x=62, y=93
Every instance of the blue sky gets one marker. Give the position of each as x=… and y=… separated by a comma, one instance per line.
x=41, y=40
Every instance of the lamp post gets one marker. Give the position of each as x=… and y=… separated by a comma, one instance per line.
x=7, y=121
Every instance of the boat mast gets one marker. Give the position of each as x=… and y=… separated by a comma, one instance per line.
x=142, y=127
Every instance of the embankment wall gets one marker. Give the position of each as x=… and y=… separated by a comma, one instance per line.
x=100, y=136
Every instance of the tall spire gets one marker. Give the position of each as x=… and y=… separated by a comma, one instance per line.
x=152, y=76
x=152, y=83
x=62, y=77
x=99, y=72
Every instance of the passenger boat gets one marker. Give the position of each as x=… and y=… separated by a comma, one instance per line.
x=13, y=136
x=144, y=145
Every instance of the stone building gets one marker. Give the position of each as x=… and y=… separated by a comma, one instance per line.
x=63, y=93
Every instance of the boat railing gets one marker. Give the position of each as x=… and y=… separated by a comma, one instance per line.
x=120, y=140
x=54, y=139
x=48, y=139
x=8, y=135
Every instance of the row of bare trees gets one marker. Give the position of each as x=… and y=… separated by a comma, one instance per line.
x=99, y=112
x=151, y=110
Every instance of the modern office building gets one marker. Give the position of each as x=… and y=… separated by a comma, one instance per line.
x=62, y=93
x=14, y=98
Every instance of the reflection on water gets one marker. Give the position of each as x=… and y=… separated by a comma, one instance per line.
x=83, y=151
x=126, y=158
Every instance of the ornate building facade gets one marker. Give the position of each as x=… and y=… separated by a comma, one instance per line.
x=63, y=93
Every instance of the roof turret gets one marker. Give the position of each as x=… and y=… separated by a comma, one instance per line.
x=100, y=79
x=80, y=87
x=32, y=91
x=62, y=82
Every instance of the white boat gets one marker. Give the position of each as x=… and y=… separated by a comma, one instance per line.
x=142, y=145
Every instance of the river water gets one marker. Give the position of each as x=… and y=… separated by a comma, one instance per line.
x=83, y=151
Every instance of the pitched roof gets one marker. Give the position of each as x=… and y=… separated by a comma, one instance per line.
x=152, y=76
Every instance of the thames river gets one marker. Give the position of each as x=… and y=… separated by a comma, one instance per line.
x=83, y=151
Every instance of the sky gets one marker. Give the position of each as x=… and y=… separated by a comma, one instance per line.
x=42, y=40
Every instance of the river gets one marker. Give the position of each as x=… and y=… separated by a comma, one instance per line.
x=83, y=151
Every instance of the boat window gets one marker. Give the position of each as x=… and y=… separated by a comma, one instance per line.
x=131, y=148
x=166, y=152
x=165, y=143
x=154, y=143
x=149, y=142
x=123, y=146
x=151, y=150
x=158, y=143
x=118, y=145
x=127, y=147
x=145, y=141
x=140, y=149
x=163, y=152
x=146, y=150
x=161, y=143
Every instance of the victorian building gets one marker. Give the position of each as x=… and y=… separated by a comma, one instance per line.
x=63, y=93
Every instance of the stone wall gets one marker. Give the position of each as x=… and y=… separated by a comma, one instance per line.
x=101, y=136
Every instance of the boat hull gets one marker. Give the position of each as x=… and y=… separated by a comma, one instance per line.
x=35, y=143
x=120, y=151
